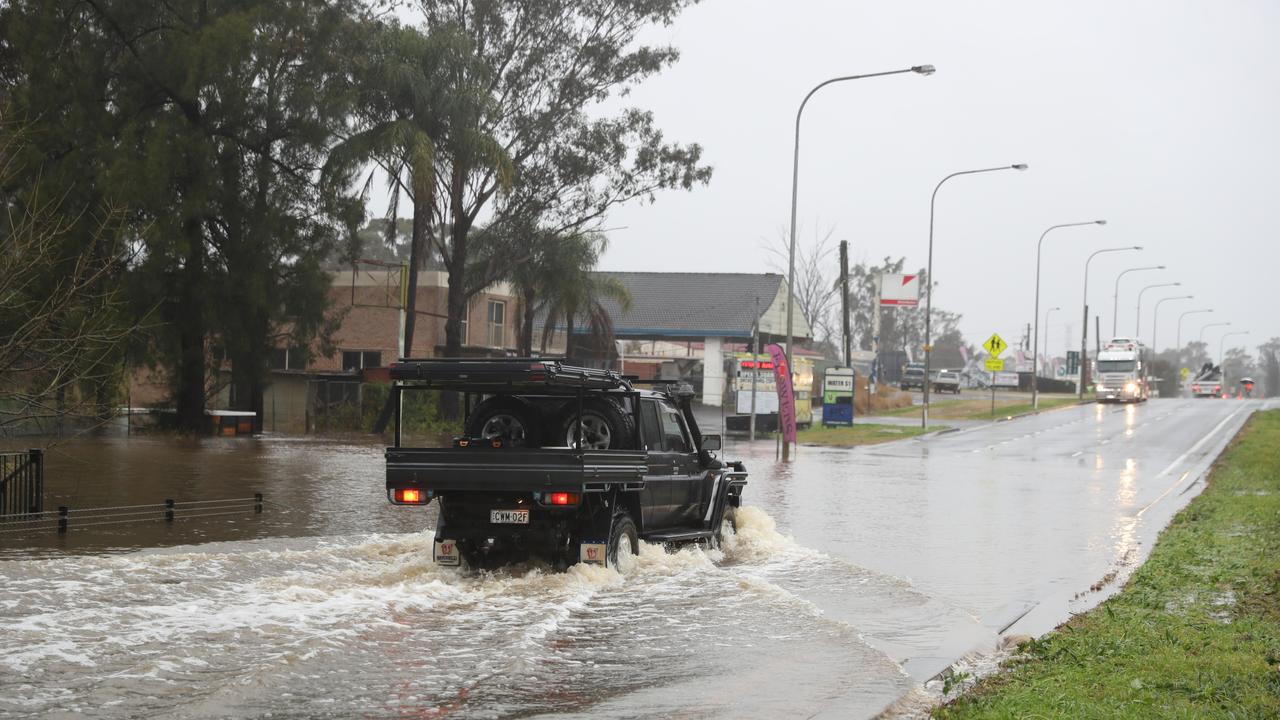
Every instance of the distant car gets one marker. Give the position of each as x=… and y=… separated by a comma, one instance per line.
x=912, y=377
x=946, y=381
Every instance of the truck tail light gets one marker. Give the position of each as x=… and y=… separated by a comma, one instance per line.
x=410, y=496
x=562, y=498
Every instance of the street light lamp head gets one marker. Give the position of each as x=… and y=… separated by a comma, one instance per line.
x=1137, y=247
x=1099, y=222
x=923, y=69
x=1019, y=166
x=1160, y=267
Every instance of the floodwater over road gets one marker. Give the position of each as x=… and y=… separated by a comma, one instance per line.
x=855, y=575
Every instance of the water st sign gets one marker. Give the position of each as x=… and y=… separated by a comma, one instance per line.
x=837, y=396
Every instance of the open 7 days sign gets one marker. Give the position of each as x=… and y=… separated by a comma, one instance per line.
x=900, y=290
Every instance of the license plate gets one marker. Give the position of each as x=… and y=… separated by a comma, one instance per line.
x=509, y=517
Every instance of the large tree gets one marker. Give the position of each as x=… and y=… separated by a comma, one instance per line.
x=208, y=121
x=546, y=66
x=901, y=328
x=1269, y=363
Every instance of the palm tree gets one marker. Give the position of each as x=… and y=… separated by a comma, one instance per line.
x=417, y=95
x=571, y=290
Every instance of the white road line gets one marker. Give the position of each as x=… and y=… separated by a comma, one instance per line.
x=1182, y=457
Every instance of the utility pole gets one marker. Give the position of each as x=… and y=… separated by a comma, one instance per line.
x=755, y=370
x=844, y=299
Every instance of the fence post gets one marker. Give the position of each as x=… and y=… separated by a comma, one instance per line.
x=35, y=501
x=168, y=510
x=257, y=503
x=62, y=519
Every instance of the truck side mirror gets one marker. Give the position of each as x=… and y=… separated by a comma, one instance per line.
x=711, y=442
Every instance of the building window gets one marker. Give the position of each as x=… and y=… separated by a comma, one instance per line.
x=497, y=322
x=287, y=359
x=466, y=324
x=360, y=359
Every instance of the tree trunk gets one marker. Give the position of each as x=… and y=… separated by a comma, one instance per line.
x=417, y=245
x=568, y=335
x=528, y=297
x=189, y=315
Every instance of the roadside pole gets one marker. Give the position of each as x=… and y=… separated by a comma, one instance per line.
x=844, y=299
x=755, y=369
x=875, y=337
x=993, y=395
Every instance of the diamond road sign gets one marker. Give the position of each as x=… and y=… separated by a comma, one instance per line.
x=995, y=345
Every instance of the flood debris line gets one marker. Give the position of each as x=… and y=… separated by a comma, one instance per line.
x=66, y=518
x=1195, y=633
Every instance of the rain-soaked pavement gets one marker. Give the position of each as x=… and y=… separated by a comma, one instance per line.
x=855, y=576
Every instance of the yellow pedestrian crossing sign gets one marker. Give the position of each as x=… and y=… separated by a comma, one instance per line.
x=995, y=345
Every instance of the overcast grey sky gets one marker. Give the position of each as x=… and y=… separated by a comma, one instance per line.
x=1160, y=117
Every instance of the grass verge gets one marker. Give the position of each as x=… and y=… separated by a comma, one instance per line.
x=868, y=434
x=978, y=407
x=1194, y=634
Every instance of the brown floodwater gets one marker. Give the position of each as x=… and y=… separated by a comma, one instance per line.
x=854, y=577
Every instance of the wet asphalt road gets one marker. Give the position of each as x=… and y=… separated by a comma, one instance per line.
x=1009, y=523
x=855, y=577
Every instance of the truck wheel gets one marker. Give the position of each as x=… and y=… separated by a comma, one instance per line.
x=605, y=425
x=515, y=421
x=624, y=544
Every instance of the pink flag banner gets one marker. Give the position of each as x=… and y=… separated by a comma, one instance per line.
x=786, y=399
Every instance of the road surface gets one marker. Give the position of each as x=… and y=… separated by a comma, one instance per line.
x=856, y=575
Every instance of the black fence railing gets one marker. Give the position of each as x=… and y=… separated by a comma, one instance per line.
x=21, y=482
x=65, y=518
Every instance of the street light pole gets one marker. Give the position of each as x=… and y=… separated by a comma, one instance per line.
x=1155, y=321
x=1035, y=365
x=1084, y=333
x=795, y=186
x=1137, y=323
x=1206, y=327
x=1179, y=340
x=1222, y=340
x=1115, y=296
x=928, y=298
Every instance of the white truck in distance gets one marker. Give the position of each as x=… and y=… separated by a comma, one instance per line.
x=1122, y=372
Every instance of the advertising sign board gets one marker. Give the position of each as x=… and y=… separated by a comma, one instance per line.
x=837, y=396
x=1004, y=379
x=900, y=290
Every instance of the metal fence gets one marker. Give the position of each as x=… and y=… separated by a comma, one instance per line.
x=22, y=482
x=66, y=518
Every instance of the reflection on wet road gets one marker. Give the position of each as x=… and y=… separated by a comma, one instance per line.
x=886, y=564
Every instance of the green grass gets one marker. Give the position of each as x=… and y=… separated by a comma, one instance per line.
x=868, y=434
x=1194, y=634
x=977, y=406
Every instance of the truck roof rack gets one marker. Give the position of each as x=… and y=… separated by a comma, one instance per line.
x=505, y=374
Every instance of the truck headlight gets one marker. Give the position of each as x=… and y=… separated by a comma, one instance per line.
x=1130, y=387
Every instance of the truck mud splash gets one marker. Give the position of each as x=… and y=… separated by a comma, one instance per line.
x=368, y=625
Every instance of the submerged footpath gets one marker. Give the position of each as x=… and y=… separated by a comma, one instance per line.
x=1194, y=634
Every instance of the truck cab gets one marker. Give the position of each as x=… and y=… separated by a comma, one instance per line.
x=1122, y=372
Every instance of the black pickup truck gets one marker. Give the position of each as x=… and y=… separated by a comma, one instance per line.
x=564, y=463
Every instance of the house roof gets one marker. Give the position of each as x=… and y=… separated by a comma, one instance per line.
x=665, y=304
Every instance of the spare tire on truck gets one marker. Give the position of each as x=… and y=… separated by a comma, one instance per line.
x=515, y=421
x=605, y=425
